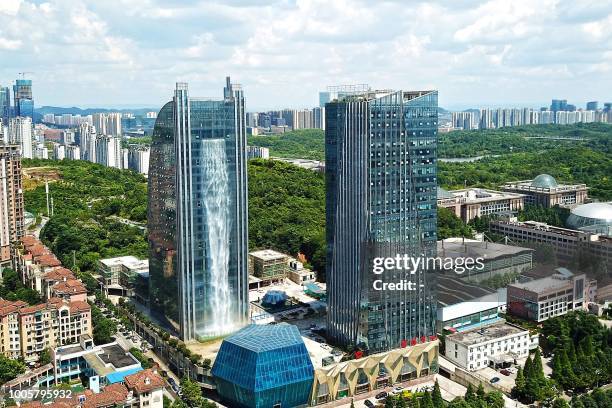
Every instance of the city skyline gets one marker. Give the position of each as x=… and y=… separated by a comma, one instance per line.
x=476, y=53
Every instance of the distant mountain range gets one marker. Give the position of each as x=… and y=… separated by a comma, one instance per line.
x=43, y=110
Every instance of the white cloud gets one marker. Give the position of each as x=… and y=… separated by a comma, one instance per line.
x=6, y=44
x=284, y=52
x=10, y=7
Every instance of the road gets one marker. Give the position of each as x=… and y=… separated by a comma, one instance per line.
x=36, y=231
x=449, y=390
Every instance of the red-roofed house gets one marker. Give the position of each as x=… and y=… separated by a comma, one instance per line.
x=70, y=290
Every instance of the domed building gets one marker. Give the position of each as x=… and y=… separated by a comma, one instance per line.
x=544, y=190
x=544, y=181
x=593, y=217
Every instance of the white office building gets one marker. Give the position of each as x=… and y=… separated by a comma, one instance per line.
x=87, y=142
x=20, y=133
x=108, y=151
x=59, y=151
x=494, y=345
x=40, y=151
x=138, y=158
x=73, y=152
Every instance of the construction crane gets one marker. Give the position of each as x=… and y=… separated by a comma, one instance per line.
x=23, y=74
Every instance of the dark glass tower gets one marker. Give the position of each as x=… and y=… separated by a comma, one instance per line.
x=197, y=214
x=5, y=104
x=24, y=103
x=380, y=152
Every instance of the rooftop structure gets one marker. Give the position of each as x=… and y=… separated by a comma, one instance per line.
x=495, y=345
x=544, y=190
x=555, y=295
x=264, y=366
x=592, y=217
x=105, y=364
x=497, y=258
x=142, y=389
x=486, y=334
x=125, y=276
x=566, y=243
x=268, y=265
x=470, y=203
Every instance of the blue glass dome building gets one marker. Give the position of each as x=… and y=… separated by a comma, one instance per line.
x=264, y=366
x=592, y=217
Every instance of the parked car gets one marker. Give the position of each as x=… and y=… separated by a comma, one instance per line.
x=494, y=380
x=504, y=372
x=382, y=395
x=369, y=404
x=397, y=390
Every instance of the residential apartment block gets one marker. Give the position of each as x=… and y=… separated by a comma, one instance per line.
x=11, y=200
x=42, y=271
x=25, y=331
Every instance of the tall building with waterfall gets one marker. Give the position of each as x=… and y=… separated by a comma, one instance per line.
x=380, y=170
x=197, y=214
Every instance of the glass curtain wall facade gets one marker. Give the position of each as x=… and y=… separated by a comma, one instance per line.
x=24, y=104
x=381, y=201
x=5, y=104
x=264, y=366
x=198, y=214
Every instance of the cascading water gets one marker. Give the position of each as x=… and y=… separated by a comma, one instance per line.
x=216, y=200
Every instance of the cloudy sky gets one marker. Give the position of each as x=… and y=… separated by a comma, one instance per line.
x=112, y=53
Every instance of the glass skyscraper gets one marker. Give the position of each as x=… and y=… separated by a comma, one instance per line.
x=380, y=152
x=197, y=214
x=5, y=104
x=24, y=103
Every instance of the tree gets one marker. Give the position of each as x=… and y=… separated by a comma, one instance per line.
x=192, y=394
x=352, y=403
x=480, y=392
x=519, y=385
x=449, y=225
x=495, y=399
x=10, y=369
x=179, y=403
x=469, y=394
x=426, y=401
x=104, y=329
x=560, y=403
x=436, y=396
x=44, y=357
